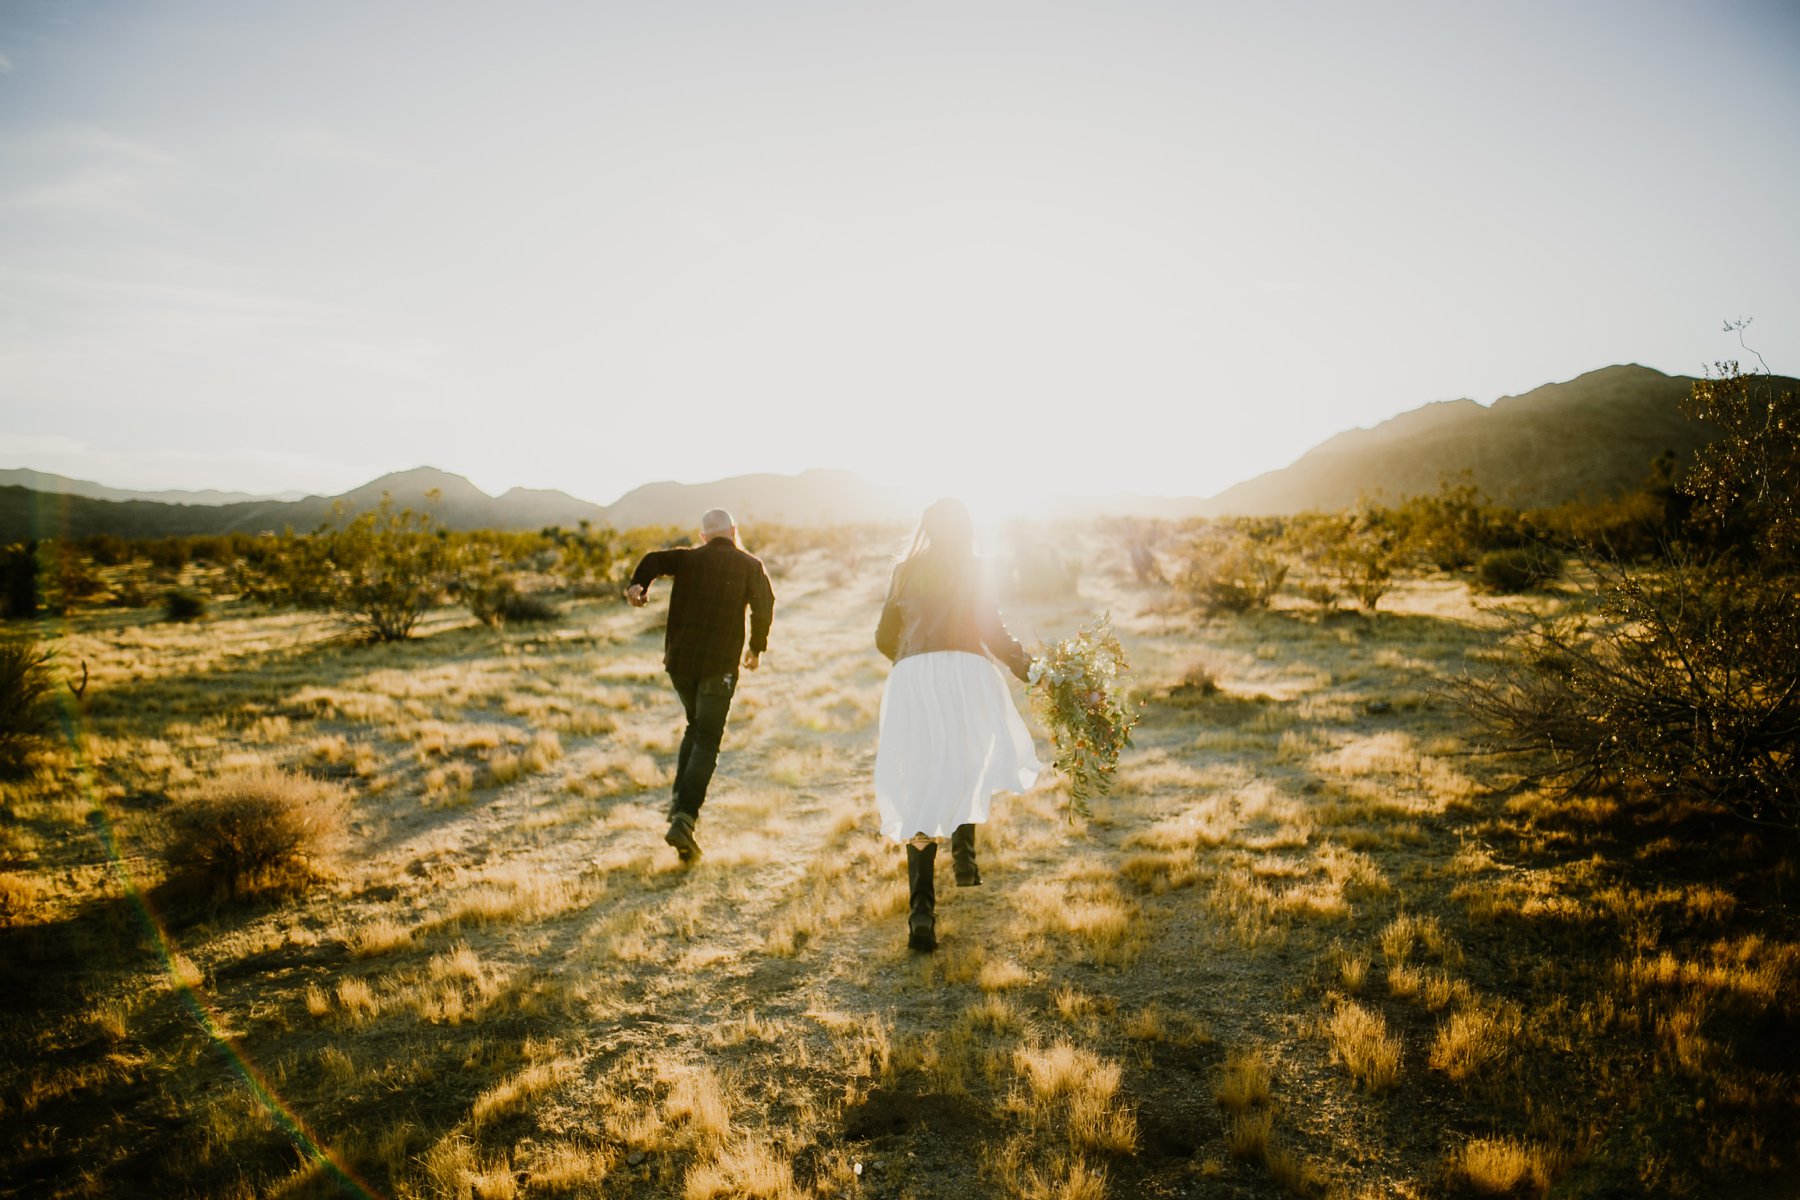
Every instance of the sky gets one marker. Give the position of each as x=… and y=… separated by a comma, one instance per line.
x=987, y=249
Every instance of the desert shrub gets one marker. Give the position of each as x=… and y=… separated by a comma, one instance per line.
x=256, y=832
x=381, y=572
x=131, y=594
x=1519, y=569
x=1451, y=528
x=528, y=607
x=183, y=604
x=1347, y=554
x=167, y=553
x=68, y=575
x=25, y=687
x=19, y=585
x=1233, y=567
x=106, y=549
x=1683, y=679
x=497, y=601
x=1684, y=675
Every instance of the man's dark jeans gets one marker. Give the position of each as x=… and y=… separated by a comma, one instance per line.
x=707, y=701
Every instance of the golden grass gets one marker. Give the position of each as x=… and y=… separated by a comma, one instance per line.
x=1361, y=1042
x=376, y=937
x=696, y=1103
x=508, y=874
x=1244, y=1081
x=512, y=1095
x=1247, y=1134
x=517, y=894
x=1471, y=1041
x=563, y=1169
x=1500, y=1167
x=746, y=1169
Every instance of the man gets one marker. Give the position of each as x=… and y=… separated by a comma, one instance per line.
x=714, y=584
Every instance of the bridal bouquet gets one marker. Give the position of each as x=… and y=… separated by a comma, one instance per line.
x=1075, y=693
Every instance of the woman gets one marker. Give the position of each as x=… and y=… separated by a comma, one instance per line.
x=950, y=736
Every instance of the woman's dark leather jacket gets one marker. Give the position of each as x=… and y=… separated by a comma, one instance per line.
x=932, y=606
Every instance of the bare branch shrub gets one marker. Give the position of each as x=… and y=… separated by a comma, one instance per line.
x=1683, y=675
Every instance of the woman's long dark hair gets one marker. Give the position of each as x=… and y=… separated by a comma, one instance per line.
x=943, y=548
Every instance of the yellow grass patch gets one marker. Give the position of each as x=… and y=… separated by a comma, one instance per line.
x=1361, y=1042
x=1501, y=1167
x=517, y=1092
x=1244, y=1081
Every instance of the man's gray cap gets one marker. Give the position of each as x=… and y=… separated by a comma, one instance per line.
x=716, y=521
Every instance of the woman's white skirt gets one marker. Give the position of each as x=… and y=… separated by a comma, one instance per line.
x=950, y=738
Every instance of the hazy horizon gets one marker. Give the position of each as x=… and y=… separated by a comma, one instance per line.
x=975, y=249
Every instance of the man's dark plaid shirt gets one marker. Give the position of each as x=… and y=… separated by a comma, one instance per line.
x=713, y=586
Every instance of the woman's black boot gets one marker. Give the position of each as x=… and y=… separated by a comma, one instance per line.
x=962, y=856
x=921, y=882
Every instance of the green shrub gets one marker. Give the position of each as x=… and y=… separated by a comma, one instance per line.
x=258, y=832
x=25, y=687
x=183, y=604
x=1347, y=554
x=1520, y=569
x=382, y=571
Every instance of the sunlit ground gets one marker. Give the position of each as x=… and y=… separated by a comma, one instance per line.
x=1310, y=945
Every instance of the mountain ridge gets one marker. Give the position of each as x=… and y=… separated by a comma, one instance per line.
x=1591, y=436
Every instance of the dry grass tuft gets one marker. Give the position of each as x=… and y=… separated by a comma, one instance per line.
x=697, y=1100
x=376, y=937
x=1244, y=1082
x=259, y=831
x=19, y=898
x=564, y=1170
x=1247, y=1135
x=1361, y=1041
x=1472, y=1040
x=1501, y=1167
x=513, y=1095
x=744, y=1170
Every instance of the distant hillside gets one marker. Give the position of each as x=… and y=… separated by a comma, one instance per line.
x=809, y=498
x=44, y=481
x=1591, y=437
x=25, y=513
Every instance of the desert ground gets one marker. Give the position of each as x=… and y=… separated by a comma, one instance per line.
x=1313, y=943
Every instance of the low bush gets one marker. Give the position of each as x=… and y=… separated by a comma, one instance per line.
x=25, y=687
x=1520, y=569
x=1682, y=680
x=257, y=832
x=1233, y=568
x=183, y=604
x=498, y=602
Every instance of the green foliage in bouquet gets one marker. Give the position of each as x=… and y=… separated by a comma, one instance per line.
x=1075, y=691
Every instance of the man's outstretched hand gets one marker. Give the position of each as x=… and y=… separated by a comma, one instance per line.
x=634, y=595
